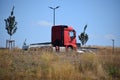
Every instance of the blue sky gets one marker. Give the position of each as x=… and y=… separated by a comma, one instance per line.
x=35, y=19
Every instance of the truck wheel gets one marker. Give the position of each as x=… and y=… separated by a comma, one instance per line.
x=69, y=49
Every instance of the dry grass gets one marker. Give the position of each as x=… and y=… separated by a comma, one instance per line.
x=43, y=65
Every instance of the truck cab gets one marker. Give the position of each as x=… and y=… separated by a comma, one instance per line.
x=63, y=36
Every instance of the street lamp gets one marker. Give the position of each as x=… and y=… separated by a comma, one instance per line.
x=54, y=13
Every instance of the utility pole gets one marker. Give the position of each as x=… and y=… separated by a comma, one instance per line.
x=54, y=8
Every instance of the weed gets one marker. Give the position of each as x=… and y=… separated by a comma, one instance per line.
x=44, y=65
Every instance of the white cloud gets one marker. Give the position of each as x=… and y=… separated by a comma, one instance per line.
x=44, y=23
x=109, y=36
x=94, y=36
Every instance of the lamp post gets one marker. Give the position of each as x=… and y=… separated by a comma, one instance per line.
x=54, y=13
x=113, y=45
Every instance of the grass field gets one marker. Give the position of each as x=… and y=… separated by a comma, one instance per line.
x=43, y=65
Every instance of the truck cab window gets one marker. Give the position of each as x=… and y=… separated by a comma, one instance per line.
x=71, y=33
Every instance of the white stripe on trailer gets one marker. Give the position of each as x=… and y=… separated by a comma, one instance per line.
x=39, y=45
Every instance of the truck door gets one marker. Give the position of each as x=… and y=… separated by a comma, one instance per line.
x=72, y=39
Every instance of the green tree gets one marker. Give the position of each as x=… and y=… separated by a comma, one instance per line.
x=10, y=24
x=83, y=37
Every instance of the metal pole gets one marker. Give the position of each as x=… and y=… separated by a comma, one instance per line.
x=113, y=45
x=54, y=16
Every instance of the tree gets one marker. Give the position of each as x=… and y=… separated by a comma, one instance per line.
x=83, y=37
x=10, y=24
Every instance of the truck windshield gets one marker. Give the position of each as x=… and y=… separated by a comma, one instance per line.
x=72, y=34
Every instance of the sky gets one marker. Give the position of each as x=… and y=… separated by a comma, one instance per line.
x=35, y=19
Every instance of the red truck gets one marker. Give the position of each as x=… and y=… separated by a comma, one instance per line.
x=63, y=36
